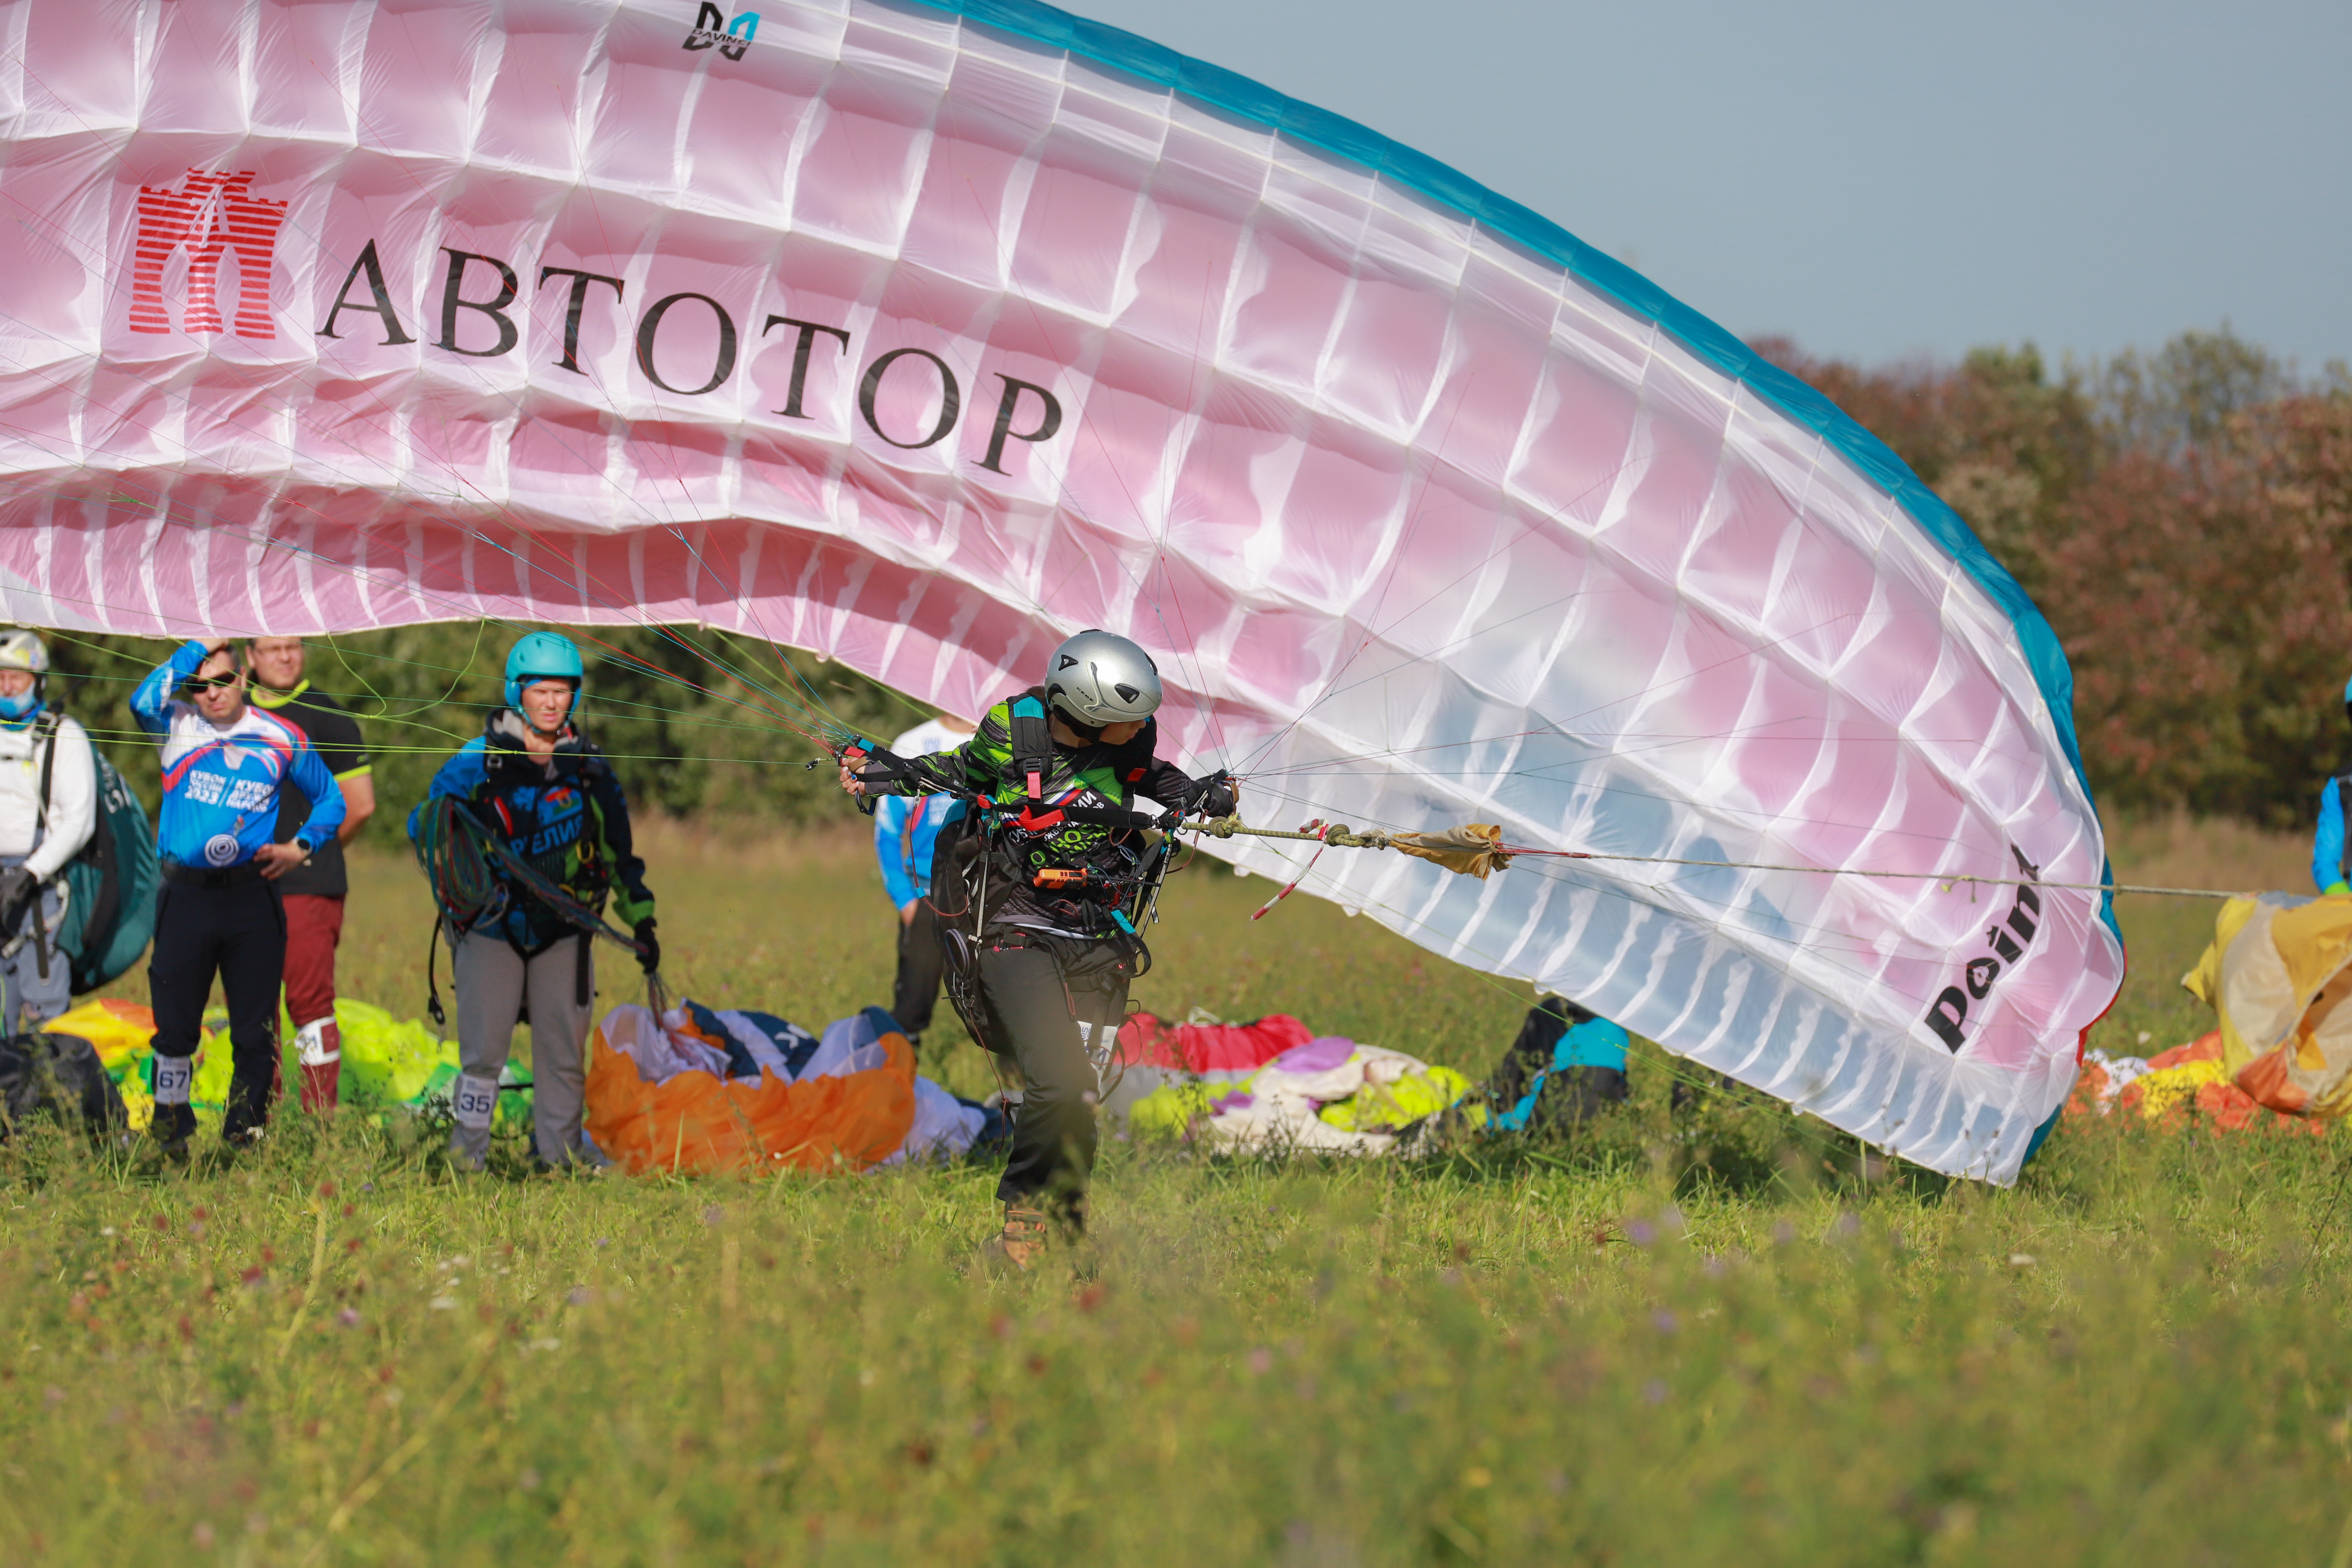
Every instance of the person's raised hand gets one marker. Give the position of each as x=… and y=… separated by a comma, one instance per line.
x=852, y=758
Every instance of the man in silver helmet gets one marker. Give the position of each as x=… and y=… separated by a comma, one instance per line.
x=1064, y=779
x=48, y=809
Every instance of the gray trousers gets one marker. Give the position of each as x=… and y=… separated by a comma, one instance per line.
x=24, y=994
x=493, y=983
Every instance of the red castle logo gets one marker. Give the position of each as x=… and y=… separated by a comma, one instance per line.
x=211, y=213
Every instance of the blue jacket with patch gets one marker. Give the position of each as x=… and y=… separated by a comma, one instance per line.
x=221, y=786
x=564, y=815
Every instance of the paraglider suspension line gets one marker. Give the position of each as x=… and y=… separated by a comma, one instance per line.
x=1338, y=836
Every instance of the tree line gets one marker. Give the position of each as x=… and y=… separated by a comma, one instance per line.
x=2184, y=518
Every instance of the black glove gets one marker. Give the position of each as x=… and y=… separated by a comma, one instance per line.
x=18, y=888
x=881, y=768
x=648, y=944
x=1212, y=796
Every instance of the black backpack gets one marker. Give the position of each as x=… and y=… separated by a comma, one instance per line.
x=58, y=1077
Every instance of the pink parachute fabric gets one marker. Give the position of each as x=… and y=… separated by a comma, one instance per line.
x=922, y=334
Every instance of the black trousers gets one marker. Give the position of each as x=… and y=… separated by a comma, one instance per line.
x=237, y=932
x=921, y=964
x=1034, y=1001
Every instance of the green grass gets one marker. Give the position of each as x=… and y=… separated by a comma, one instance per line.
x=1694, y=1341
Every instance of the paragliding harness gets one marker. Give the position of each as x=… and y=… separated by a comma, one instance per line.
x=965, y=849
x=106, y=893
x=473, y=872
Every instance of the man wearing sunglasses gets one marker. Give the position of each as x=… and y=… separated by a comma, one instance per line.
x=224, y=765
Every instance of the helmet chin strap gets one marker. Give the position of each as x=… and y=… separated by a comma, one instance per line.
x=1088, y=734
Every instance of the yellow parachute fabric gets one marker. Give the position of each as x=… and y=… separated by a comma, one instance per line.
x=1386, y=1107
x=387, y=1060
x=1170, y=1111
x=2169, y=1089
x=2278, y=976
x=119, y=1031
x=123, y=1034
x=1174, y=1110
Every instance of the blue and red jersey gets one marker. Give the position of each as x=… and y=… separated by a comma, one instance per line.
x=221, y=784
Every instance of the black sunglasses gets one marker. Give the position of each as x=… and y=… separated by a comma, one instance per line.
x=214, y=682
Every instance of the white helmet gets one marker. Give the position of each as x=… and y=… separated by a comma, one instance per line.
x=1099, y=678
x=21, y=649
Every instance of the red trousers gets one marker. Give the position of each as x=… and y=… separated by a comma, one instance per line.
x=314, y=927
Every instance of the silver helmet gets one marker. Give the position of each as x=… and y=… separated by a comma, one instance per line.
x=1099, y=677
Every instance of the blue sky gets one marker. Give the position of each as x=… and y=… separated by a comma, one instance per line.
x=1877, y=180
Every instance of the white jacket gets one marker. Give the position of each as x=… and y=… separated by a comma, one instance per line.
x=73, y=795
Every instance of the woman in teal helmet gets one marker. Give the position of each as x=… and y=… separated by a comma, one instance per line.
x=535, y=781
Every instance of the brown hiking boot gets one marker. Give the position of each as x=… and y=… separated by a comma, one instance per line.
x=1020, y=1245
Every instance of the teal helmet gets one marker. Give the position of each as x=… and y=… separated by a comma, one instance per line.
x=545, y=656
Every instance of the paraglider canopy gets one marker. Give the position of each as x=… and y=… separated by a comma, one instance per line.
x=924, y=335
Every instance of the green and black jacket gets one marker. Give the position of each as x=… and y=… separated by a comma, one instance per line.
x=1032, y=840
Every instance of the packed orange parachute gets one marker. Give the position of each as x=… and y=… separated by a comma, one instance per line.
x=701, y=1123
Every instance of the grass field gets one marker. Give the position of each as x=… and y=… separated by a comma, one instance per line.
x=1694, y=1341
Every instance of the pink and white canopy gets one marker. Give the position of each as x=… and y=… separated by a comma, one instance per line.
x=922, y=334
